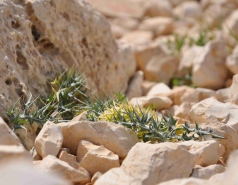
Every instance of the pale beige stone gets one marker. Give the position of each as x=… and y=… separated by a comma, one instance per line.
x=114, y=8
x=49, y=140
x=128, y=23
x=223, y=95
x=54, y=165
x=95, y=177
x=34, y=155
x=209, y=70
x=117, y=31
x=156, y=8
x=11, y=153
x=206, y=172
x=232, y=61
x=151, y=164
x=231, y=137
x=206, y=152
x=146, y=86
x=70, y=159
x=157, y=25
x=159, y=90
x=183, y=110
x=22, y=172
x=135, y=85
x=80, y=117
x=233, y=90
x=212, y=111
x=188, y=59
x=7, y=136
x=189, y=9
x=157, y=102
x=114, y=137
x=187, y=181
x=177, y=2
x=95, y=158
x=230, y=23
x=137, y=37
x=178, y=92
x=198, y=95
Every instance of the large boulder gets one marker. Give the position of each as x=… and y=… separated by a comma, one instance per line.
x=114, y=137
x=41, y=38
x=148, y=164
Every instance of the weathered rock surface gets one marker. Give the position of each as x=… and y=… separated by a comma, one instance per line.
x=206, y=152
x=156, y=63
x=70, y=159
x=231, y=23
x=211, y=110
x=7, y=136
x=35, y=46
x=156, y=8
x=209, y=69
x=233, y=90
x=151, y=164
x=114, y=137
x=187, y=181
x=22, y=172
x=54, y=165
x=135, y=85
x=96, y=158
x=223, y=95
x=232, y=61
x=207, y=172
x=11, y=153
x=49, y=140
x=156, y=101
x=159, y=89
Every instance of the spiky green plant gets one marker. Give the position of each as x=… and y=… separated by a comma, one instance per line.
x=144, y=122
x=67, y=100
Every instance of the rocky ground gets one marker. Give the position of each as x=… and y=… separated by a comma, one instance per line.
x=177, y=56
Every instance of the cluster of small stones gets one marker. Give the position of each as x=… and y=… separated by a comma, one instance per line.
x=103, y=153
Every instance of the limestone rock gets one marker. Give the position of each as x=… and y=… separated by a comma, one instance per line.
x=209, y=70
x=157, y=25
x=137, y=37
x=159, y=89
x=156, y=63
x=7, y=136
x=198, y=95
x=187, y=181
x=211, y=110
x=223, y=95
x=114, y=137
x=10, y=153
x=128, y=23
x=95, y=177
x=178, y=92
x=188, y=59
x=22, y=172
x=49, y=140
x=36, y=46
x=206, y=152
x=183, y=110
x=207, y=172
x=54, y=165
x=96, y=158
x=135, y=85
x=151, y=164
x=233, y=90
x=156, y=8
x=231, y=23
x=189, y=9
x=34, y=155
x=146, y=86
x=70, y=159
x=231, y=138
x=114, y=8
x=232, y=61
x=147, y=101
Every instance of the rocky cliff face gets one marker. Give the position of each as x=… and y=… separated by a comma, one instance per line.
x=40, y=38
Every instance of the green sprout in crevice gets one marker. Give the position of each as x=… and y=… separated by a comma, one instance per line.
x=69, y=98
